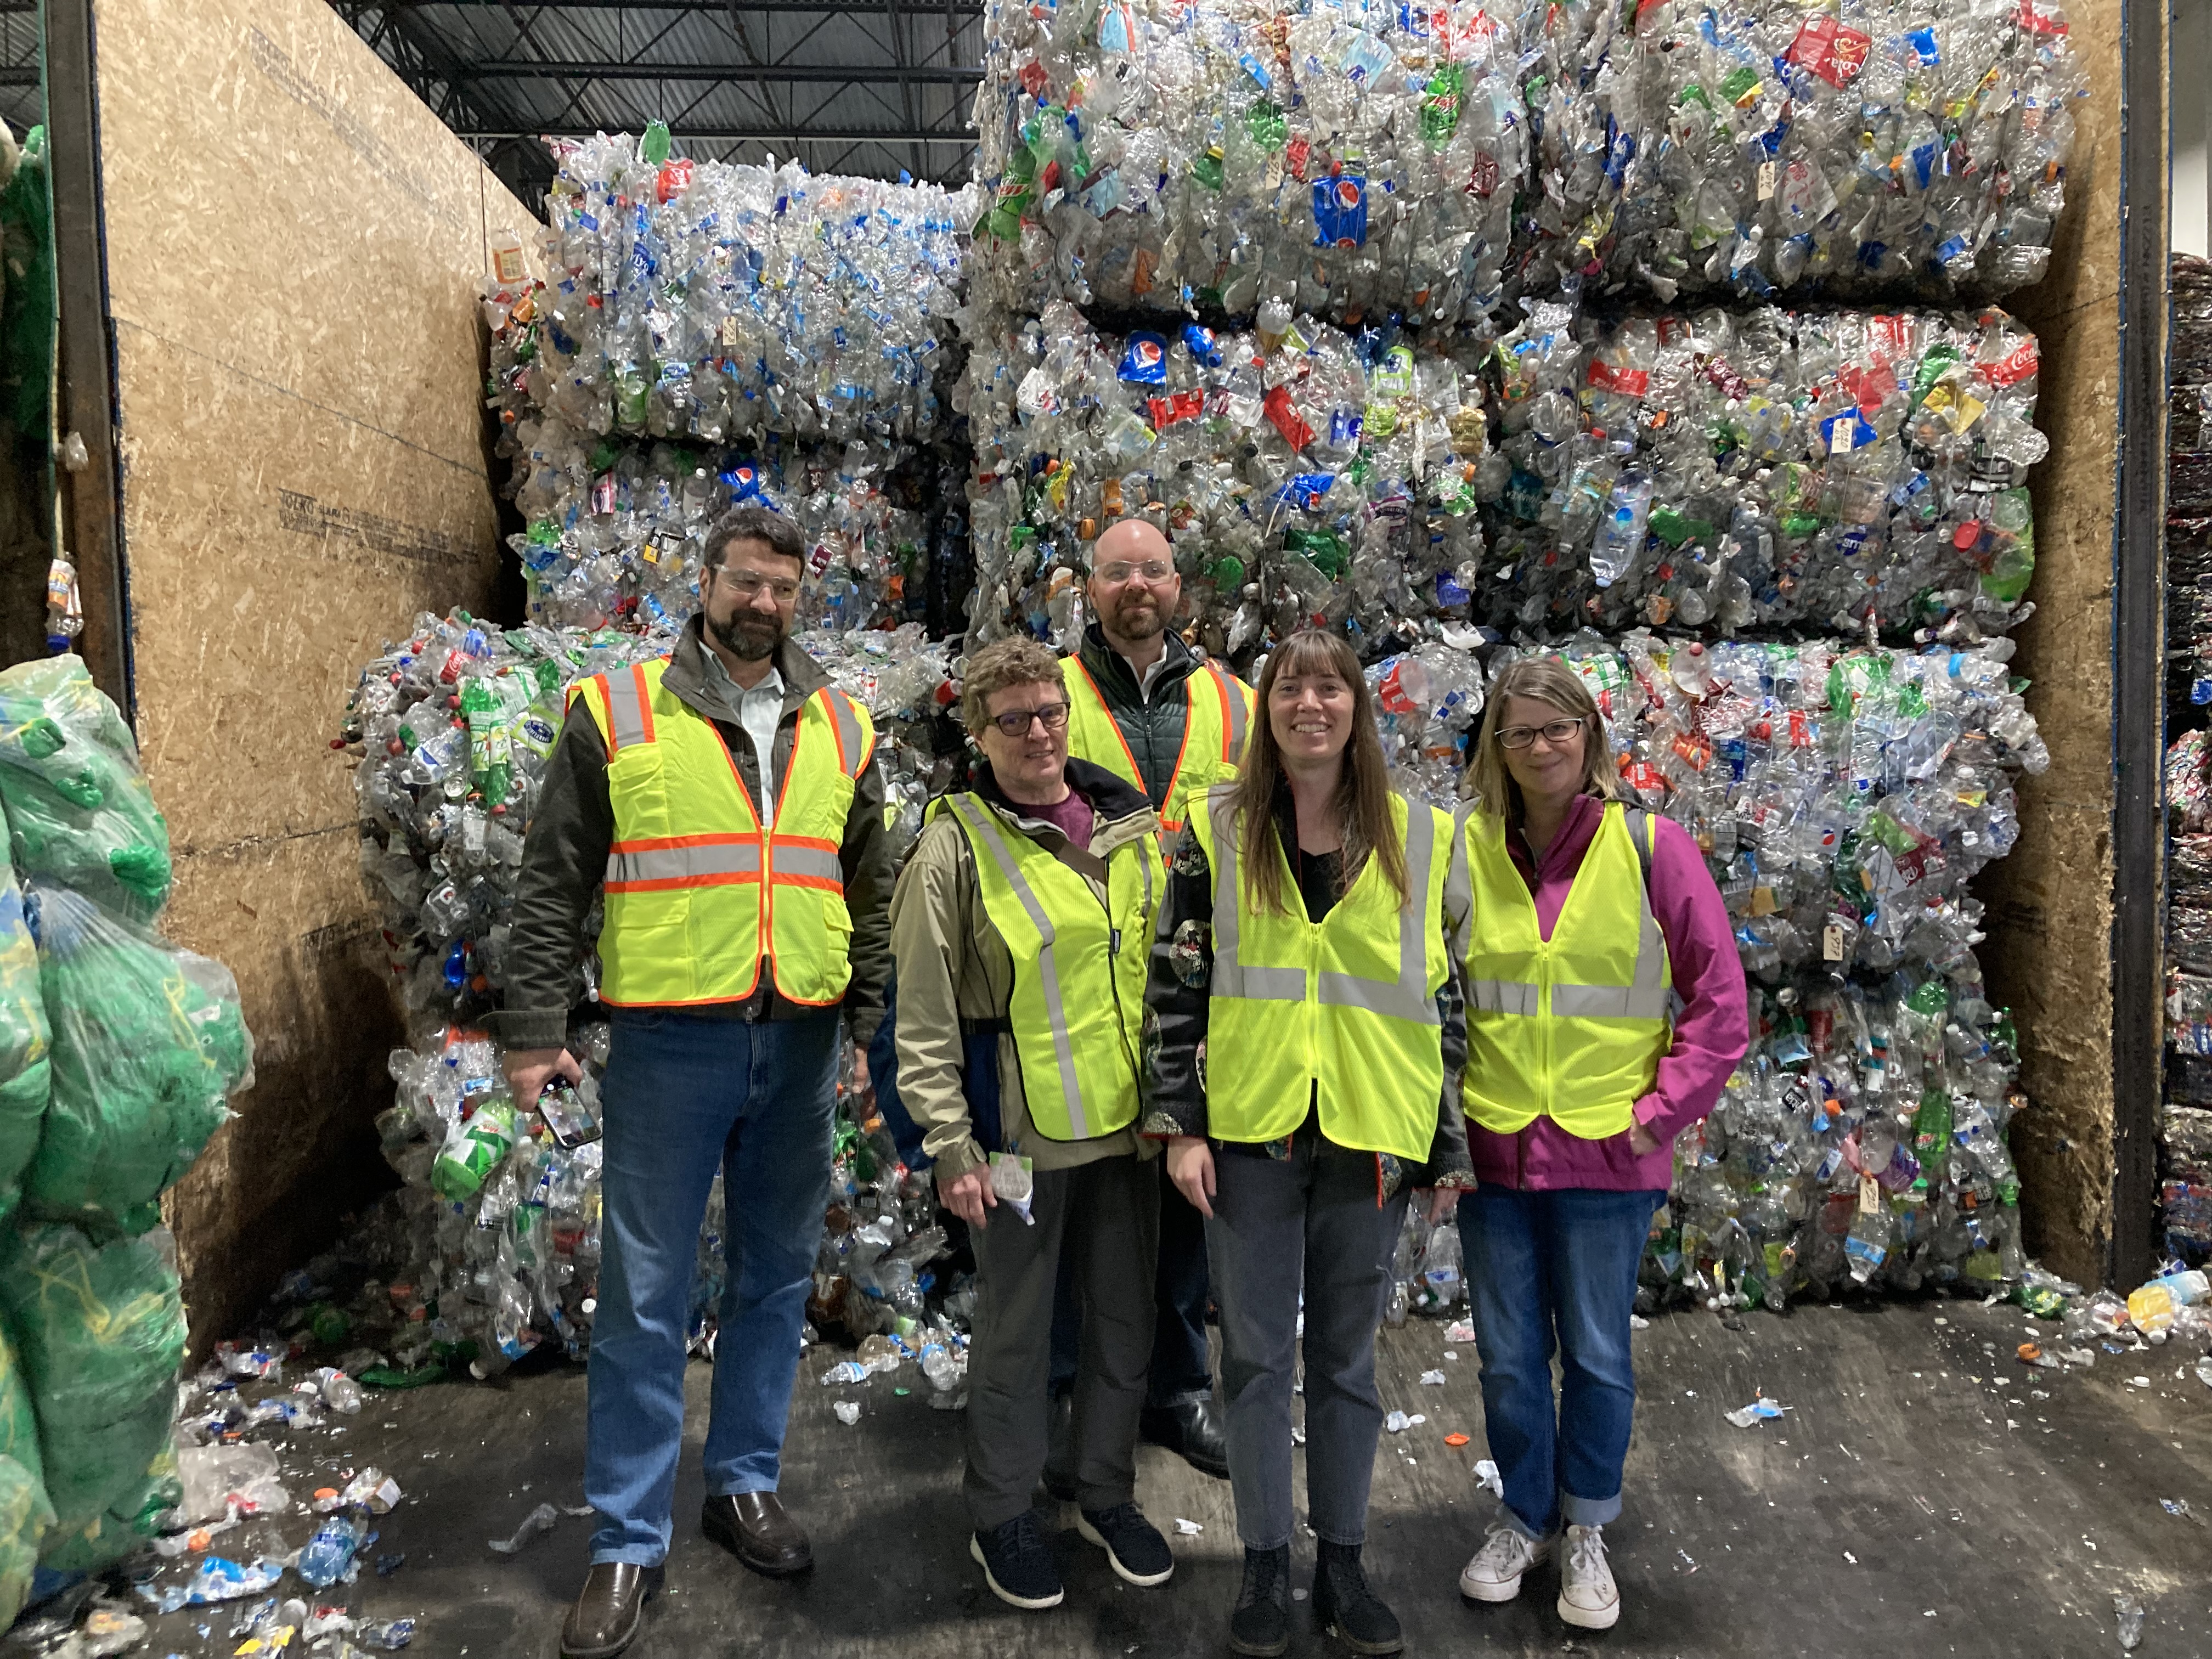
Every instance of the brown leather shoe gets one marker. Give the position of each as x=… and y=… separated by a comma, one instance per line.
x=752, y=1526
x=607, y=1614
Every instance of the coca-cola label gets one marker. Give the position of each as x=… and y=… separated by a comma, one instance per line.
x=2015, y=365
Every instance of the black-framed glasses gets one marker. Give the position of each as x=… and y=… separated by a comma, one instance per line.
x=1015, y=723
x=1554, y=732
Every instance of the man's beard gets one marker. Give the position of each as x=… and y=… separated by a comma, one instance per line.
x=1136, y=622
x=749, y=639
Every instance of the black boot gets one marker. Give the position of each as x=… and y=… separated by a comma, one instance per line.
x=1345, y=1609
x=1261, y=1623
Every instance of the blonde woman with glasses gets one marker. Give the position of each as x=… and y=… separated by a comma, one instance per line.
x=1605, y=1009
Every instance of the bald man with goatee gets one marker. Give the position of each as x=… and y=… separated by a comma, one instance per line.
x=1159, y=715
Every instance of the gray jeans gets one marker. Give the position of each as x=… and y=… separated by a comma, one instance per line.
x=1310, y=1219
x=1109, y=1212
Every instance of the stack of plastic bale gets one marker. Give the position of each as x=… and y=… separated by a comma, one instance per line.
x=1772, y=149
x=1305, y=474
x=147, y=1042
x=1333, y=193
x=2185, y=1141
x=710, y=334
x=1756, y=470
x=1844, y=796
x=1159, y=156
x=491, y=1246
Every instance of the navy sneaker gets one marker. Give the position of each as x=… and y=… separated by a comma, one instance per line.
x=1017, y=1563
x=1132, y=1543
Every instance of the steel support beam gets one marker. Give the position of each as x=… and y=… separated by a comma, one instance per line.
x=812, y=7
x=86, y=341
x=749, y=135
x=812, y=74
x=2138, y=647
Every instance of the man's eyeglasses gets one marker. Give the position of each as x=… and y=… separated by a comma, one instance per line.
x=1554, y=732
x=1152, y=570
x=748, y=584
x=1016, y=724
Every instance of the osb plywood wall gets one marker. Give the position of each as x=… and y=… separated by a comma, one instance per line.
x=2049, y=953
x=294, y=244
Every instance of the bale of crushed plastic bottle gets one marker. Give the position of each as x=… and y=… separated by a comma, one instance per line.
x=80, y=814
x=25, y=1074
x=100, y=1332
x=148, y=1040
x=25, y=1514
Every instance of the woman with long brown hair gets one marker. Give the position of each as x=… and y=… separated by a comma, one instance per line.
x=1306, y=1058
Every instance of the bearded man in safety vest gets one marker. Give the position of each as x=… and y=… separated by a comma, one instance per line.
x=727, y=799
x=1162, y=719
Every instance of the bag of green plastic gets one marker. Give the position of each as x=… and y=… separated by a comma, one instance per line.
x=25, y=1514
x=147, y=1040
x=25, y=1076
x=100, y=1332
x=133, y=1519
x=79, y=809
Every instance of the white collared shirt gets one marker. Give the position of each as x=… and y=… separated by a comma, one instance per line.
x=758, y=712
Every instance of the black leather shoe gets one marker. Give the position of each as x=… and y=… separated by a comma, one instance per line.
x=752, y=1526
x=607, y=1614
x=1192, y=1430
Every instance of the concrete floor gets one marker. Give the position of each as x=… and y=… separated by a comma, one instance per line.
x=1925, y=1494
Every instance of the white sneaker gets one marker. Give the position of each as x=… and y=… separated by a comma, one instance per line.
x=1494, y=1574
x=1587, y=1596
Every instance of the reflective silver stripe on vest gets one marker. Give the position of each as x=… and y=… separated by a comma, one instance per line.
x=1408, y=996
x=1503, y=996
x=978, y=819
x=1231, y=978
x=816, y=861
x=1646, y=999
x=625, y=706
x=848, y=732
x=684, y=863
x=1233, y=712
x=1459, y=887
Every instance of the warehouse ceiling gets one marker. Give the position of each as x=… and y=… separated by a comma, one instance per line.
x=21, y=103
x=873, y=87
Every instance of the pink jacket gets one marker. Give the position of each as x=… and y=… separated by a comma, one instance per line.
x=1710, y=1034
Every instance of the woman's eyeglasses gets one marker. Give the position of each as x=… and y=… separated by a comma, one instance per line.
x=1016, y=724
x=1554, y=732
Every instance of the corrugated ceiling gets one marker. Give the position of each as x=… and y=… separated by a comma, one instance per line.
x=874, y=88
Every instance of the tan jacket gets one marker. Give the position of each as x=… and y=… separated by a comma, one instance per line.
x=952, y=966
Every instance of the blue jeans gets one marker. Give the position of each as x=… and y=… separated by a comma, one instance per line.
x=1563, y=1262
x=683, y=1094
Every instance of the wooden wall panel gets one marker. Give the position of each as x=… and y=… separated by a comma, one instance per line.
x=2049, y=952
x=294, y=243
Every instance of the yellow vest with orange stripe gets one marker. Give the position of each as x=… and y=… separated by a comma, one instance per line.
x=688, y=915
x=1220, y=710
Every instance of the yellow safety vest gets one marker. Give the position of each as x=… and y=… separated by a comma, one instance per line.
x=1571, y=1028
x=1220, y=711
x=1344, y=1008
x=688, y=916
x=1077, y=1011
